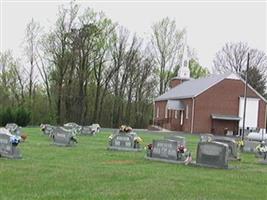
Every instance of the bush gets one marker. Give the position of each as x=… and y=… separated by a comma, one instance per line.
x=7, y=116
x=20, y=116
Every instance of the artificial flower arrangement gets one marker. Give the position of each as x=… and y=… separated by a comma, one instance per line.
x=262, y=150
x=15, y=140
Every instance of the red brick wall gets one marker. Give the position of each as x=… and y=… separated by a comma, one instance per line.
x=223, y=98
x=171, y=123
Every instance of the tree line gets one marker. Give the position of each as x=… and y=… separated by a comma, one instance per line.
x=88, y=69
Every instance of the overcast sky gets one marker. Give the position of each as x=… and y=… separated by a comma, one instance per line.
x=209, y=24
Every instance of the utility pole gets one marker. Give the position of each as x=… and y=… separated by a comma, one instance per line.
x=245, y=100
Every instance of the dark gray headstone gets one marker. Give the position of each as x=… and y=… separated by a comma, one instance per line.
x=233, y=149
x=180, y=140
x=165, y=149
x=124, y=141
x=7, y=149
x=63, y=137
x=212, y=154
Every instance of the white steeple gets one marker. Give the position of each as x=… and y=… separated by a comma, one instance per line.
x=184, y=72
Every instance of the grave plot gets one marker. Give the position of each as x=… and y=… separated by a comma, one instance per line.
x=9, y=145
x=123, y=140
x=212, y=154
x=13, y=128
x=64, y=137
x=171, y=149
x=233, y=147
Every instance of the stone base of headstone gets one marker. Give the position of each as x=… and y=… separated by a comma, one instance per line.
x=263, y=162
x=14, y=155
x=123, y=148
x=71, y=144
x=165, y=160
x=208, y=166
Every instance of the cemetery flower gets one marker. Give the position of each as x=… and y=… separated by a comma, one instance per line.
x=150, y=146
x=181, y=149
x=15, y=140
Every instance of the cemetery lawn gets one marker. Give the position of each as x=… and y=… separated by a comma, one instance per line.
x=89, y=171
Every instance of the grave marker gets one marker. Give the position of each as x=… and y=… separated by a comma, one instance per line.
x=8, y=148
x=212, y=154
x=124, y=141
x=13, y=128
x=233, y=148
x=64, y=137
x=180, y=140
x=170, y=150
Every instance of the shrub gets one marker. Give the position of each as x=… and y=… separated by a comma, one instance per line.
x=7, y=116
x=22, y=116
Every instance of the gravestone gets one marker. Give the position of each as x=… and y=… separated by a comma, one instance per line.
x=95, y=127
x=124, y=142
x=73, y=126
x=47, y=129
x=206, y=137
x=212, y=154
x=87, y=130
x=180, y=140
x=250, y=146
x=63, y=137
x=233, y=148
x=13, y=128
x=166, y=150
x=7, y=149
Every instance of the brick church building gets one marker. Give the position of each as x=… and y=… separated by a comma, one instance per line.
x=213, y=104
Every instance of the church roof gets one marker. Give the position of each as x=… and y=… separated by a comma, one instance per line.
x=193, y=88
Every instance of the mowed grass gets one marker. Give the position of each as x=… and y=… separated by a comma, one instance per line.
x=90, y=171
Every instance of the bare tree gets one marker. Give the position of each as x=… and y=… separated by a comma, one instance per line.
x=233, y=57
x=166, y=43
x=33, y=31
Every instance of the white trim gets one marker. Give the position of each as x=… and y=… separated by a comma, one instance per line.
x=186, y=111
x=181, y=117
x=250, y=87
x=166, y=112
x=157, y=111
x=193, y=115
x=175, y=114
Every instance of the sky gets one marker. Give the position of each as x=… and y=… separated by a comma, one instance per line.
x=209, y=24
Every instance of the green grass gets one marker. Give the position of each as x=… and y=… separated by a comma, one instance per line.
x=89, y=171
